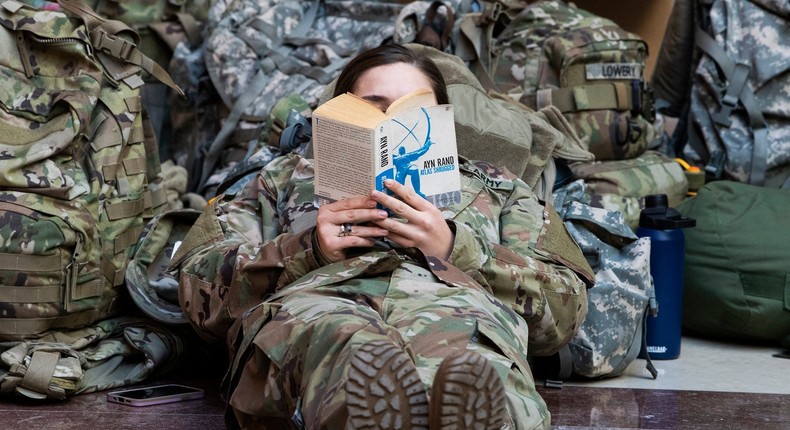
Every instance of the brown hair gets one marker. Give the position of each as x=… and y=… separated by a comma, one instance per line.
x=390, y=54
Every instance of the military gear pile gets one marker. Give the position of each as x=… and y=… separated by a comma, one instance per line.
x=79, y=174
x=111, y=353
x=260, y=51
x=553, y=53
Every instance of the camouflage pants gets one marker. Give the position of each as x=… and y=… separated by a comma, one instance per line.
x=299, y=357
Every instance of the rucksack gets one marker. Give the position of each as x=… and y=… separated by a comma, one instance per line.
x=737, y=276
x=260, y=51
x=79, y=173
x=554, y=53
x=612, y=334
x=738, y=119
x=111, y=353
x=621, y=185
x=161, y=25
x=725, y=82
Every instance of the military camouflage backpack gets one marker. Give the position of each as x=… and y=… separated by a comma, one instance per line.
x=739, y=119
x=260, y=51
x=613, y=332
x=621, y=185
x=553, y=53
x=78, y=171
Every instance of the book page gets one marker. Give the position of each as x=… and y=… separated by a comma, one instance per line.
x=344, y=157
x=422, y=97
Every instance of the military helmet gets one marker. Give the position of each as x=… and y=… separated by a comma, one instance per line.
x=151, y=285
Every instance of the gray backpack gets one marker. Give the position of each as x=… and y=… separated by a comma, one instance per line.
x=613, y=332
x=739, y=122
x=260, y=51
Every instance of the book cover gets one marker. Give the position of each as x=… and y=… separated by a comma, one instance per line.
x=356, y=147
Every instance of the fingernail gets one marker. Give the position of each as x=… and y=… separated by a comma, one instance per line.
x=388, y=182
x=382, y=214
x=375, y=194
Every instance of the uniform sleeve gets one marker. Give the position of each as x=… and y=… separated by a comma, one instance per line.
x=237, y=256
x=533, y=266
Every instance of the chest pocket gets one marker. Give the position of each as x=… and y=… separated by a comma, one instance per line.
x=482, y=198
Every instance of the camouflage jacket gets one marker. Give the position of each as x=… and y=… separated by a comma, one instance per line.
x=242, y=251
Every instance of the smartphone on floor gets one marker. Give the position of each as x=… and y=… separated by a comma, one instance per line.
x=155, y=395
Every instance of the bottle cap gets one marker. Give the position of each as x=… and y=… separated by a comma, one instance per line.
x=659, y=216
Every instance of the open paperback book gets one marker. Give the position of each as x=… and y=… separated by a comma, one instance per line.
x=356, y=147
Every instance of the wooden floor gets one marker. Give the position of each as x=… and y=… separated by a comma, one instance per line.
x=575, y=406
x=572, y=407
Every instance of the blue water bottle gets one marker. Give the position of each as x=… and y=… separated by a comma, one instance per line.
x=664, y=226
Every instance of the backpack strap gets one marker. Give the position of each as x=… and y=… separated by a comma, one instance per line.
x=277, y=55
x=642, y=333
x=105, y=38
x=614, y=95
x=36, y=382
x=736, y=74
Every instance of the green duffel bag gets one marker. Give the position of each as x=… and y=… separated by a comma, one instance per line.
x=737, y=276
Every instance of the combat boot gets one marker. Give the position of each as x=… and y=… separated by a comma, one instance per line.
x=384, y=389
x=467, y=394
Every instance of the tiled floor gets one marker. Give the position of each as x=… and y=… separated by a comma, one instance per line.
x=711, y=386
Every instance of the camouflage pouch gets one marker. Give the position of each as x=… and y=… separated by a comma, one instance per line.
x=111, y=353
x=79, y=173
x=553, y=53
x=612, y=334
x=622, y=185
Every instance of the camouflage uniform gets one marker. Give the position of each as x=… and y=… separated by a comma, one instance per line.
x=515, y=279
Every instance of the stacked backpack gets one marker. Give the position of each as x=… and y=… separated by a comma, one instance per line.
x=80, y=176
x=552, y=53
x=720, y=72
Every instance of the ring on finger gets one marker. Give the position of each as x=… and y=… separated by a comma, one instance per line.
x=345, y=229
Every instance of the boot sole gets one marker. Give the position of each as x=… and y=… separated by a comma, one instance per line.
x=467, y=394
x=384, y=390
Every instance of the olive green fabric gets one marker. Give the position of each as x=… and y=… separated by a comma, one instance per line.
x=737, y=277
x=621, y=185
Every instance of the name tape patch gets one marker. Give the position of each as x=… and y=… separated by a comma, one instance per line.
x=613, y=71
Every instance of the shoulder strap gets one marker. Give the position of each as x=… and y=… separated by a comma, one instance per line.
x=736, y=75
x=105, y=38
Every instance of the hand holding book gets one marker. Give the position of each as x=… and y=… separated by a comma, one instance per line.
x=404, y=160
x=356, y=147
x=420, y=224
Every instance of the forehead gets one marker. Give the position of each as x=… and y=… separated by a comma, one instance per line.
x=390, y=81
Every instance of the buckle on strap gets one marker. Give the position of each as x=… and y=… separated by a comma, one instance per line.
x=737, y=82
x=114, y=45
x=715, y=167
